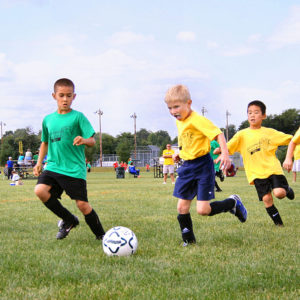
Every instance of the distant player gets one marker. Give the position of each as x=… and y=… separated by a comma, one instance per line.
x=196, y=176
x=258, y=145
x=168, y=164
x=65, y=134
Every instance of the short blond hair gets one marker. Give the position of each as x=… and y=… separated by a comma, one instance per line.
x=177, y=92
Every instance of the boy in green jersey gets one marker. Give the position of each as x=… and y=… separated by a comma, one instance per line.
x=65, y=134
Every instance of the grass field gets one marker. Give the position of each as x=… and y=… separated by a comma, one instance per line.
x=253, y=260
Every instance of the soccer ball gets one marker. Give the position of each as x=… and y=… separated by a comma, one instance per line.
x=120, y=241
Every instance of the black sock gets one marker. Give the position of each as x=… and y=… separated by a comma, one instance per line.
x=186, y=226
x=221, y=206
x=217, y=186
x=94, y=223
x=274, y=215
x=55, y=206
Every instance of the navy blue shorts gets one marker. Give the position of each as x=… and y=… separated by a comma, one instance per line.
x=196, y=177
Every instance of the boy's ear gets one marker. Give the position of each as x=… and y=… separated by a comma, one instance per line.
x=264, y=116
x=53, y=95
x=189, y=102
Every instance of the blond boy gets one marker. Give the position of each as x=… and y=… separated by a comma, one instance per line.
x=196, y=176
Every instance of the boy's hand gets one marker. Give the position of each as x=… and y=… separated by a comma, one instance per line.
x=79, y=140
x=288, y=164
x=37, y=170
x=225, y=161
x=176, y=158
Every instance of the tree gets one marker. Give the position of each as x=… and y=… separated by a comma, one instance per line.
x=123, y=149
x=142, y=137
x=231, y=131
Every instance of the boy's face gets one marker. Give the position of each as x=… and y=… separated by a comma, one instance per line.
x=180, y=110
x=64, y=95
x=255, y=116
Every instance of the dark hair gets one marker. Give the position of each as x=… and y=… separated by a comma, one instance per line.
x=64, y=82
x=258, y=103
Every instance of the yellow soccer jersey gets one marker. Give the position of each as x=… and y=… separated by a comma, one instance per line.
x=297, y=152
x=194, y=136
x=296, y=138
x=258, y=147
x=168, y=161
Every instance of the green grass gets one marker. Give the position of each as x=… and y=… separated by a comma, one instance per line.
x=253, y=260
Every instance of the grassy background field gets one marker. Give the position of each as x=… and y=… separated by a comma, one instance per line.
x=231, y=260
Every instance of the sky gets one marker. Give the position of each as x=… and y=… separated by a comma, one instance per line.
x=123, y=55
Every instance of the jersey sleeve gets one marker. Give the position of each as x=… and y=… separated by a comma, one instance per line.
x=208, y=128
x=234, y=144
x=45, y=135
x=281, y=138
x=86, y=127
x=296, y=138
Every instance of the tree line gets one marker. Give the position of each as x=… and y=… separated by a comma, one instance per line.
x=123, y=144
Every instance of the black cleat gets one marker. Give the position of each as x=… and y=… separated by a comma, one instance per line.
x=290, y=193
x=187, y=243
x=99, y=237
x=65, y=228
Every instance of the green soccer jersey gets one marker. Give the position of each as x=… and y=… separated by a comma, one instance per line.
x=59, y=131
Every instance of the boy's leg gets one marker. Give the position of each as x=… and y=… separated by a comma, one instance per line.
x=294, y=176
x=233, y=204
x=52, y=203
x=185, y=221
x=165, y=178
x=218, y=189
x=91, y=218
x=271, y=209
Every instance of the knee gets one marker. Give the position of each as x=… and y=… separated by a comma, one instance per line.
x=203, y=211
x=268, y=200
x=41, y=192
x=279, y=193
x=84, y=207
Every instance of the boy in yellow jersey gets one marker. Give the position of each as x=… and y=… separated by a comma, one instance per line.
x=168, y=164
x=294, y=148
x=258, y=145
x=196, y=176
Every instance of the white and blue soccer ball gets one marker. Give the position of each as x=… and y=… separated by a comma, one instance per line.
x=119, y=241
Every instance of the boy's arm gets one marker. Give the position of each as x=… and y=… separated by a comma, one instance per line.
x=288, y=162
x=37, y=170
x=79, y=140
x=224, y=157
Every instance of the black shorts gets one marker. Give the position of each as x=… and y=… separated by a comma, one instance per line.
x=265, y=186
x=75, y=188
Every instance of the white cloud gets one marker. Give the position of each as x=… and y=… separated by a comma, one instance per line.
x=288, y=33
x=186, y=36
x=129, y=37
x=240, y=51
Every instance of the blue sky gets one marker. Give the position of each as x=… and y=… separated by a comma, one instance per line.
x=124, y=55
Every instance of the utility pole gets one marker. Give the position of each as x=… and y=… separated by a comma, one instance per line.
x=100, y=113
x=1, y=126
x=204, y=110
x=134, y=116
x=227, y=114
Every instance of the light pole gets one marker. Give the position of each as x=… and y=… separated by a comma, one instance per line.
x=134, y=116
x=227, y=114
x=100, y=113
x=204, y=110
x=2, y=124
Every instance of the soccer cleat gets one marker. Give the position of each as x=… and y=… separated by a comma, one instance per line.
x=187, y=243
x=239, y=209
x=65, y=228
x=99, y=237
x=290, y=193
